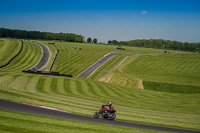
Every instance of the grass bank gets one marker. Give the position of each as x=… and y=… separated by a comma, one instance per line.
x=27, y=123
x=8, y=49
x=172, y=88
x=180, y=69
x=30, y=56
x=84, y=96
x=74, y=61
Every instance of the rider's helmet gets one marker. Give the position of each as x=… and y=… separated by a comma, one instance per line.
x=109, y=103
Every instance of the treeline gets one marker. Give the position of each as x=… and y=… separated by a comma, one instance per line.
x=40, y=35
x=159, y=43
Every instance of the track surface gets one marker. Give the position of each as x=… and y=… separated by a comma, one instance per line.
x=14, y=106
x=45, y=56
x=96, y=65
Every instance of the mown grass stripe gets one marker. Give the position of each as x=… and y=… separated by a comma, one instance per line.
x=9, y=80
x=9, y=49
x=60, y=86
x=170, y=68
x=67, y=86
x=108, y=91
x=31, y=85
x=53, y=86
x=40, y=85
x=94, y=89
x=86, y=88
x=26, y=58
x=19, y=83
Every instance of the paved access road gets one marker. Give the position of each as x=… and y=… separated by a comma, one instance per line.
x=45, y=56
x=96, y=65
x=14, y=106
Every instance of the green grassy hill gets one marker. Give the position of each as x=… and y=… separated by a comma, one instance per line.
x=30, y=56
x=168, y=72
x=8, y=49
x=177, y=73
x=85, y=96
x=74, y=61
x=168, y=68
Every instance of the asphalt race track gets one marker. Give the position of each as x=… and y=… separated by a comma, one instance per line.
x=45, y=56
x=96, y=65
x=19, y=107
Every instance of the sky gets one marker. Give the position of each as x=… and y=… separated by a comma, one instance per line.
x=121, y=20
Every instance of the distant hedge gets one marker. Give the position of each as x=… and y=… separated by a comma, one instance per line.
x=171, y=88
x=160, y=44
x=70, y=37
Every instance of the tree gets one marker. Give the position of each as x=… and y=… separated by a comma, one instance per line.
x=95, y=40
x=89, y=39
x=115, y=42
x=109, y=42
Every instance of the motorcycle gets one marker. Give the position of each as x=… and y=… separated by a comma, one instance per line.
x=105, y=113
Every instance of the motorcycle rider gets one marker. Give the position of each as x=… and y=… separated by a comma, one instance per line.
x=110, y=106
x=106, y=113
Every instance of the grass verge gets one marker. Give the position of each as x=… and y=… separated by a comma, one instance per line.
x=85, y=96
x=27, y=123
x=172, y=88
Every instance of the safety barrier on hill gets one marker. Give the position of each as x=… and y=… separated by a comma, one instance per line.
x=54, y=60
x=48, y=73
x=14, y=56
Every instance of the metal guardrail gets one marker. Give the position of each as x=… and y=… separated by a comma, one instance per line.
x=54, y=60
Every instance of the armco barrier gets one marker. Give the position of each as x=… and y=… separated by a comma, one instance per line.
x=48, y=73
x=14, y=56
x=54, y=60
